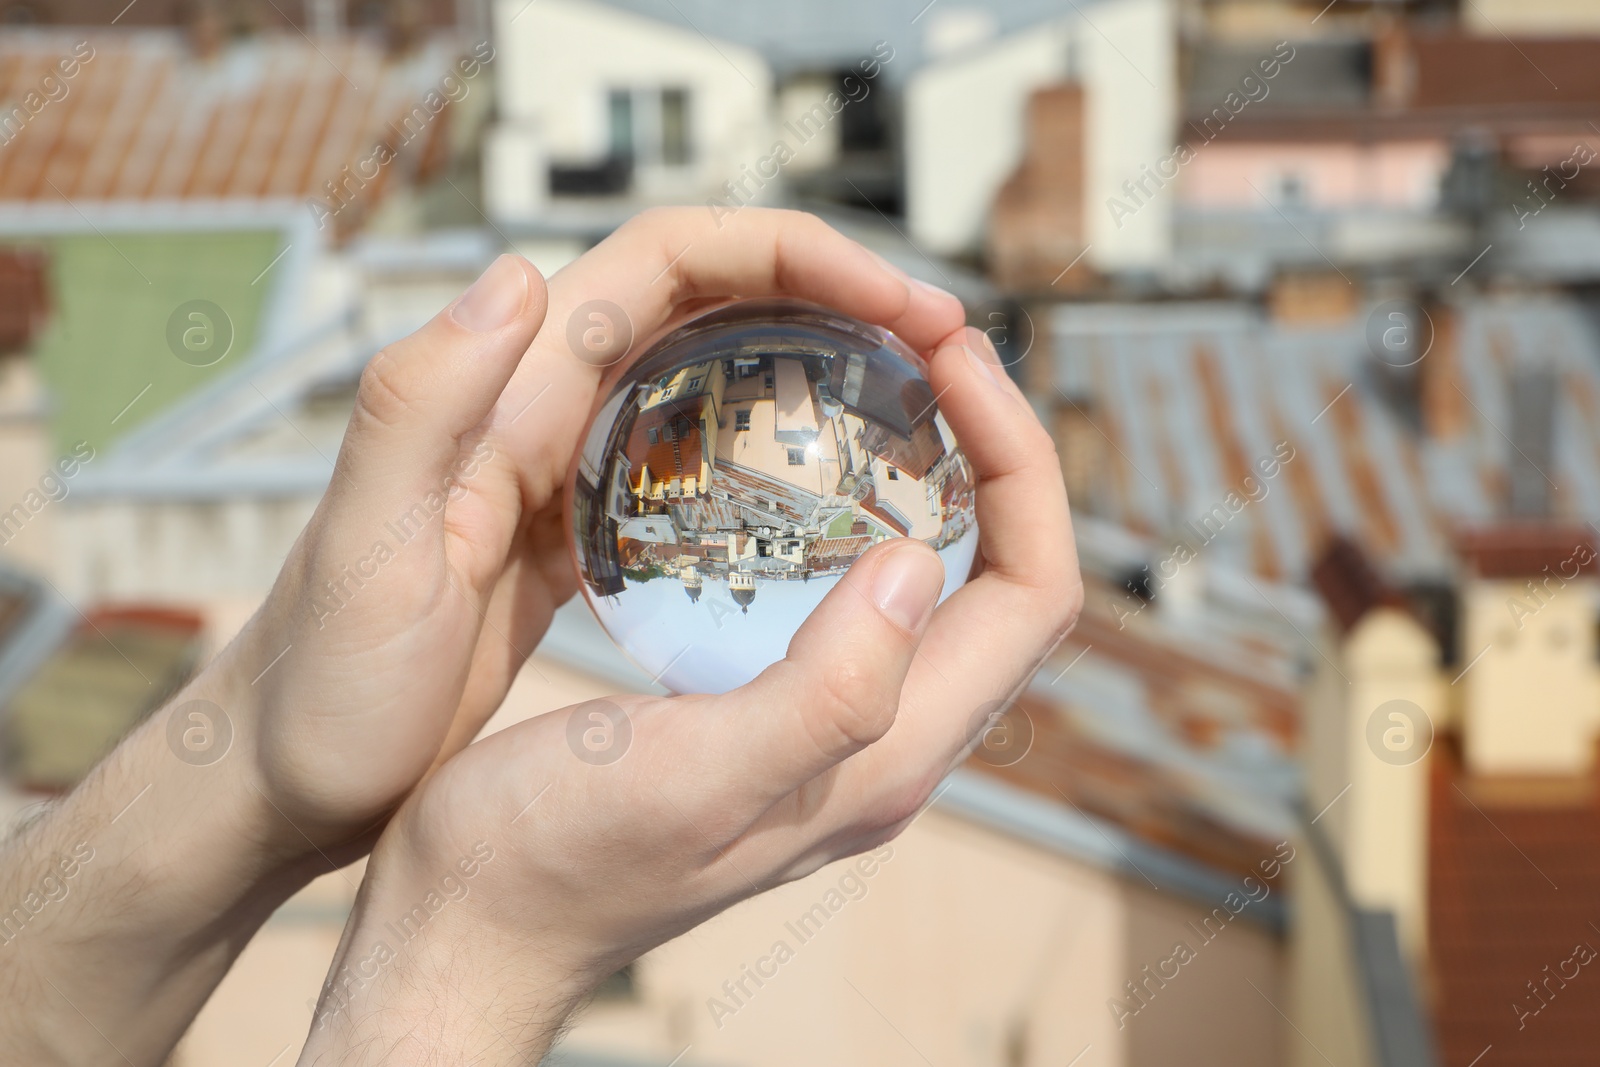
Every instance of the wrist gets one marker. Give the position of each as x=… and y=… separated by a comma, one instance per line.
x=418, y=960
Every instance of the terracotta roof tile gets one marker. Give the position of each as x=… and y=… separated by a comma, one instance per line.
x=272, y=117
x=1524, y=549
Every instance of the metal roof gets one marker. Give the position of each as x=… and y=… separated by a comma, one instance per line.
x=826, y=34
x=1190, y=396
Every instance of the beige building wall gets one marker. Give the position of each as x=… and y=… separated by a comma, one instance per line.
x=1532, y=18
x=1327, y=749
x=1367, y=771
x=1223, y=1006
x=264, y=1007
x=967, y=948
x=1532, y=702
x=1325, y=994
x=911, y=497
x=961, y=946
x=1382, y=824
x=759, y=449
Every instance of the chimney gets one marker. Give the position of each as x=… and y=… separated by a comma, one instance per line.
x=1037, y=224
x=1082, y=449
x=404, y=25
x=1532, y=457
x=1471, y=185
x=1394, y=65
x=1312, y=298
x=1532, y=684
x=325, y=18
x=1369, y=729
x=206, y=29
x=24, y=298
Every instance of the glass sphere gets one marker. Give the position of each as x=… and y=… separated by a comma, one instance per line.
x=732, y=473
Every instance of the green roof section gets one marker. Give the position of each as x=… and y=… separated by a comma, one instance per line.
x=141, y=320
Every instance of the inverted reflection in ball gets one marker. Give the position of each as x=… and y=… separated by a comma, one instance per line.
x=730, y=476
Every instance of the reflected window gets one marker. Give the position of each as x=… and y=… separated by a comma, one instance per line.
x=894, y=475
x=797, y=457
x=741, y=419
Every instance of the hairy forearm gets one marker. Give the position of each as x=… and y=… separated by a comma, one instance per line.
x=418, y=981
x=440, y=1010
x=124, y=904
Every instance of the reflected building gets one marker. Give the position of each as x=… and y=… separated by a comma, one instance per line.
x=779, y=459
x=766, y=442
x=742, y=588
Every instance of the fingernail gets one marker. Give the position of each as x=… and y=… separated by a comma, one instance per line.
x=942, y=294
x=907, y=585
x=980, y=350
x=908, y=280
x=495, y=298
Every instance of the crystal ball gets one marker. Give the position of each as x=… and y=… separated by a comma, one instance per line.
x=730, y=475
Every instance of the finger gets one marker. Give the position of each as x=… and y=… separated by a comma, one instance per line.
x=419, y=397
x=649, y=270
x=1023, y=519
x=839, y=686
x=535, y=581
x=993, y=632
x=987, y=639
x=663, y=258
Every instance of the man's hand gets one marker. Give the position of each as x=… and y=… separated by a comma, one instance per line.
x=527, y=869
x=428, y=573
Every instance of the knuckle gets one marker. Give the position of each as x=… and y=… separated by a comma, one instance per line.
x=381, y=395
x=1061, y=600
x=849, y=712
x=901, y=808
x=902, y=803
x=1040, y=443
x=804, y=225
x=653, y=217
x=1048, y=445
x=799, y=219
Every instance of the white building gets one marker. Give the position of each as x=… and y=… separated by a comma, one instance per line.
x=964, y=133
x=600, y=103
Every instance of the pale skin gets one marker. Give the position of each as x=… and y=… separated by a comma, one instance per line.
x=360, y=735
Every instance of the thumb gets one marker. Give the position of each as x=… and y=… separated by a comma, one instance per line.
x=421, y=395
x=838, y=689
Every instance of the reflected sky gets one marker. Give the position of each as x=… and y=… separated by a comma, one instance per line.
x=710, y=645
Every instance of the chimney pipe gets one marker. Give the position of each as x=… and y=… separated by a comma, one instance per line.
x=1532, y=457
